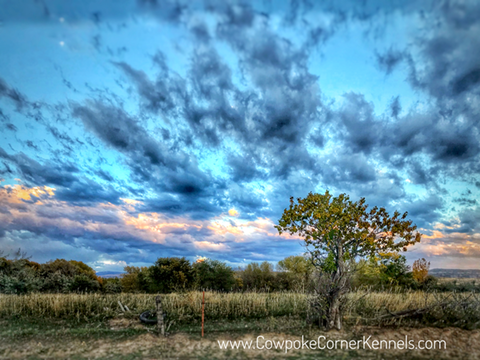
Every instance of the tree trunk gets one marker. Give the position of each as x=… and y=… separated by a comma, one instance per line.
x=334, y=316
x=338, y=289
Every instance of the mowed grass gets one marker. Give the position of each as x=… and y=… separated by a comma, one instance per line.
x=186, y=307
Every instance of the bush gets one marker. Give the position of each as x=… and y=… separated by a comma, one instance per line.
x=259, y=276
x=214, y=275
x=112, y=286
x=296, y=274
x=56, y=283
x=69, y=268
x=388, y=271
x=135, y=279
x=18, y=276
x=83, y=283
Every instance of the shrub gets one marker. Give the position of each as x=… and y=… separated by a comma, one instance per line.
x=258, y=276
x=387, y=271
x=135, y=279
x=213, y=275
x=83, y=283
x=111, y=286
x=56, y=283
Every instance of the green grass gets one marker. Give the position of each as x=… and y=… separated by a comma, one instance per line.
x=36, y=339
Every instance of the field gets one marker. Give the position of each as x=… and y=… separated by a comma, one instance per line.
x=95, y=326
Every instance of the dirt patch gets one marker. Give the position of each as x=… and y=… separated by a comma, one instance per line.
x=123, y=323
x=460, y=344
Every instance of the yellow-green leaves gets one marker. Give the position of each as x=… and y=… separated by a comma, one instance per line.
x=337, y=225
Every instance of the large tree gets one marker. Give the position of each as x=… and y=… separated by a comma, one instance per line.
x=337, y=233
x=171, y=274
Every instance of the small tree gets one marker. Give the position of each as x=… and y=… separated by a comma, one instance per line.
x=135, y=279
x=386, y=270
x=300, y=267
x=337, y=232
x=296, y=264
x=258, y=276
x=420, y=270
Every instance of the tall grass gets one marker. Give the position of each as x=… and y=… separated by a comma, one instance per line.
x=179, y=306
x=185, y=307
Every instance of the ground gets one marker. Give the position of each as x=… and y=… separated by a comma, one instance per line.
x=123, y=338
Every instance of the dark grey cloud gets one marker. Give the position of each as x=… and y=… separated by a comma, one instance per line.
x=465, y=201
x=167, y=10
x=156, y=96
x=395, y=107
x=88, y=191
x=270, y=122
x=35, y=173
x=469, y=220
x=389, y=60
x=284, y=106
x=11, y=127
x=72, y=185
x=154, y=163
x=201, y=32
x=12, y=94
x=425, y=211
x=363, y=130
x=122, y=132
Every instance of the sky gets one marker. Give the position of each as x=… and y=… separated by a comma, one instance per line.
x=138, y=129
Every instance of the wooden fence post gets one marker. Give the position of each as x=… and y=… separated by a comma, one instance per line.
x=203, y=310
x=160, y=323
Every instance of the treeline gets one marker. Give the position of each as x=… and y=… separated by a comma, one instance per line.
x=19, y=275
x=178, y=274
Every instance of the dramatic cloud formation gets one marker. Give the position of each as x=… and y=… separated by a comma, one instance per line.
x=168, y=128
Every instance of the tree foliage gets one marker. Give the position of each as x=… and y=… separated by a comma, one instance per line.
x=337, y=232
x=383, y=272
x=345, y=229
x=213, y=275
x=296, y=264
x=258, y=276
x=135, y=279
x=420, y=270
x=171, y=274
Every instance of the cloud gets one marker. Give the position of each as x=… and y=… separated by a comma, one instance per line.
x=12, y=94
x=453, y=245
x=156, y=97
x=233, y=116
x=151, y=161
x=389, y=60
x=66, y=176
x=117, y=229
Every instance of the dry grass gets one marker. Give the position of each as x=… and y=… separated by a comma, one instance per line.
x=181, y=306
x=185, y=307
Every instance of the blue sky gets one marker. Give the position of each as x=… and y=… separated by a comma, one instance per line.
x=132, y=130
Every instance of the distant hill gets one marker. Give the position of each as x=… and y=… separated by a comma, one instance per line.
x=455, y=273
x=109, y=274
